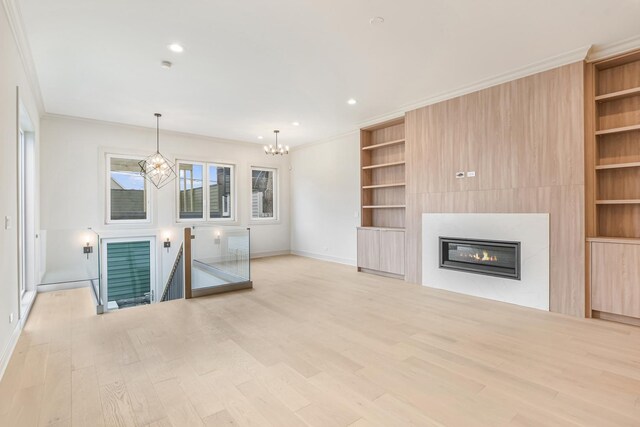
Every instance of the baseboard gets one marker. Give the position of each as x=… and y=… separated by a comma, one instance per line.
x=269, y=253
x=619, y=318
x=345, y=261
x=25, y=311
x=63, y=286
x=7, y=352
x=8, y=349
x=381, y=273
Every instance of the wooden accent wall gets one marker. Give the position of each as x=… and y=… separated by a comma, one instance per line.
x=525, y=141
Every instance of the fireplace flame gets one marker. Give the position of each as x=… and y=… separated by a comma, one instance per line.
x=484, y=257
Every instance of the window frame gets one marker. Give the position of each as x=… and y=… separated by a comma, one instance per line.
x=206, y=202
x=232, y=205
x=203, y=218
x=276, y=195
x=107, y=187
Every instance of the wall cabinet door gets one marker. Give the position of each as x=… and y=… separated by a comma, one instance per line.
x=615, y=278
x=392, y=251
x=369, y=249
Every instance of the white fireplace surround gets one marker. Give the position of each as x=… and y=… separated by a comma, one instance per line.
x=532, y=230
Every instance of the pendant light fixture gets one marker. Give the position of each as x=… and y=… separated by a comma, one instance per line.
x=156, y=168
x=278, y=149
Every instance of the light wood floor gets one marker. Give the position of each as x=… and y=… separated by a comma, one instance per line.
x=318, y=344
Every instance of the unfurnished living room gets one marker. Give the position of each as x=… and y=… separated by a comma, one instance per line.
x=319, y=213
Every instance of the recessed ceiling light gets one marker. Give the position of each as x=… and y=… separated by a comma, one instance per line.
x=352, y=101
x=260, y=137
x=166, y=64
x=376, y=20
x=296, y=123
x=175, y=47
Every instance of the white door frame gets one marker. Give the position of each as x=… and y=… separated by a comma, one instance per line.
x=26, y=221
x=153, y=265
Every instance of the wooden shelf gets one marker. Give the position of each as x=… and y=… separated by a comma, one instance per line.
x=618, y=95
x=623, y=240
x=383, y=144
x=618, y=202
x=384, y=165
x=385, y=207
x=618, y=166
x=367, y=187
x=618, y=130
x=382, y=228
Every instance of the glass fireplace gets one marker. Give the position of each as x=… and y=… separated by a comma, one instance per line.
x=490, y=257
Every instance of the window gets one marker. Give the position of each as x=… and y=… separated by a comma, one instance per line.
x=127, y=198
x=205, y=189
x=220, y=190
x=190, y=194
x=263, y=194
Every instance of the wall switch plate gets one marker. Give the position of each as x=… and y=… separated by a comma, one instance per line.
x=459, y=175
x=471, y=174
x=7, y=222
x=11, y=318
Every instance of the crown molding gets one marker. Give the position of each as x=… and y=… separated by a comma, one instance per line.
x=546, y=64
x=52, y=116
x=14, y=16
x=605, y=51
x=325, y=140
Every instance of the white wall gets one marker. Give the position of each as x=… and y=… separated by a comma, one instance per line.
x=12, y=74
x=325, y=184
x=530, y=229
x=73, y=193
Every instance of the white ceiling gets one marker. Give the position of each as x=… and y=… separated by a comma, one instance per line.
x=254, y=65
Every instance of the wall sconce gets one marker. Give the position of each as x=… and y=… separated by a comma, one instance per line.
x=167, y=244
x=87, y=249
x=217, y=239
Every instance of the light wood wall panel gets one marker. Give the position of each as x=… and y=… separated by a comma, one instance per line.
x=525, y=141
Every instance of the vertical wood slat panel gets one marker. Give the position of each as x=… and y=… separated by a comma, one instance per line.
x=525, y=141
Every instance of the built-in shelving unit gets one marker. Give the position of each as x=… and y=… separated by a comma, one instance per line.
x=381, y=238
x=612, y=156
x=383, y=174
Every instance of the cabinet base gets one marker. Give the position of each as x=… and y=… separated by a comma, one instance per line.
x=381, y=273
x=615, y=318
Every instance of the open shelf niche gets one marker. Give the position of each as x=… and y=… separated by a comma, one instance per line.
x=614, y=114
x=382, y=175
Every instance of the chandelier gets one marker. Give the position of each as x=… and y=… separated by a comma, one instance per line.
x=278, y=149
x=156, y=168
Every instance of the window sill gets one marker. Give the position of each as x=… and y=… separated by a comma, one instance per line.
x=180, y=222
x=265, y=222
